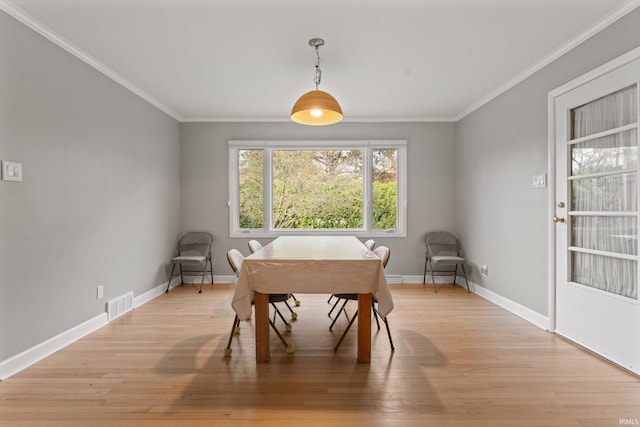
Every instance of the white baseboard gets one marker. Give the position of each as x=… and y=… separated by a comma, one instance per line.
x=38, y=352
x=23, y=360
x=226, y=279
x=519, y=310
x=418, y=279
x=207, y=280
x=412, y=279
x=145, y=297
x=394, y=279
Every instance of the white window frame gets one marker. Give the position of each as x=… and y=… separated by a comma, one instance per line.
x=270, y=146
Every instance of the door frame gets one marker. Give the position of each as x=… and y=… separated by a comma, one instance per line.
x=618, y=62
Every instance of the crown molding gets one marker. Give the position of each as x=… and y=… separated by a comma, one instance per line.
x=571, y=44
x=56, y=38
x=35, y=25
x=344, y=120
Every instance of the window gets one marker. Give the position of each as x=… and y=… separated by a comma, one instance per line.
x=353, y=187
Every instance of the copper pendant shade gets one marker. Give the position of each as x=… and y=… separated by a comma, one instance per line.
x=316, y=108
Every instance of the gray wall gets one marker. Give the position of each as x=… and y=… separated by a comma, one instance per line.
x=110, y=183
x=99, y=204
x=501, y=219
x=430, y=152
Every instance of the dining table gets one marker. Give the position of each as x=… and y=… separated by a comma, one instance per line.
x=316, y=265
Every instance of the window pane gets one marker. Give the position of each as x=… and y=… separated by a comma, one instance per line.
x=617, y=234
x=617, y=276
x=317, y=189
x=384, y=194
x=610, y=153
x=605, y=193
x=251, y=188
x=612, y=111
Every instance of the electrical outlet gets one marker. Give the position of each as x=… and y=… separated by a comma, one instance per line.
x=484, y=270
x=100, y=291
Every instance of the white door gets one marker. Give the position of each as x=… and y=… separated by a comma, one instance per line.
x=597, y=190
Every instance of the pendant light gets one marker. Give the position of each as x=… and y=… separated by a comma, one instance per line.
x=316, y=108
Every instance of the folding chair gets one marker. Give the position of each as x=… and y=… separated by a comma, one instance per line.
x=383, y=253
x=236, y=259
x=193, y=250
x=369, y=244
x=443, y=249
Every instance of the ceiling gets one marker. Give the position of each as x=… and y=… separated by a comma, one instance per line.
x=384, y=60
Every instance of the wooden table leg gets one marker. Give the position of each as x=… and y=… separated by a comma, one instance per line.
x=364, y=328
x=261, y=302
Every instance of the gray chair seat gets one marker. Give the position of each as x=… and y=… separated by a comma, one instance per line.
x=189, y=259
x=447, y=259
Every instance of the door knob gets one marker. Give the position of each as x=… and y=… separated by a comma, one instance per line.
x=558, y=219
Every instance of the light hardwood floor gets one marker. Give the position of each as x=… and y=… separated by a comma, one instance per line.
x=459, y=361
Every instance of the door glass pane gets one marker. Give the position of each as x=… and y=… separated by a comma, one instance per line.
x=315, y=189
x=385, y=183
x=615, y=193
x=609, y=112
x=618, y=234
x=610, y=153
x=251, y=188
x=617, y=276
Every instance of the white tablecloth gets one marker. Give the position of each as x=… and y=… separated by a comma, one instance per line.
x=312, y=264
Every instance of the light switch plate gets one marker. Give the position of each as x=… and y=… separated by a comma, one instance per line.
x=11, y=171
x=539, y=181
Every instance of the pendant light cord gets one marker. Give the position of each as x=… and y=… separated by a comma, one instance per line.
x=318, y=75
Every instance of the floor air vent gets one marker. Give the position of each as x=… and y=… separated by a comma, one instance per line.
x=119, y=306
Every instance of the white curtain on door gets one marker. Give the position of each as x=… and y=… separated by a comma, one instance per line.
x=604, y=180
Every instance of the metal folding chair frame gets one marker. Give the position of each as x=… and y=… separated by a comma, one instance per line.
x=448, y=240
x=194, y=238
